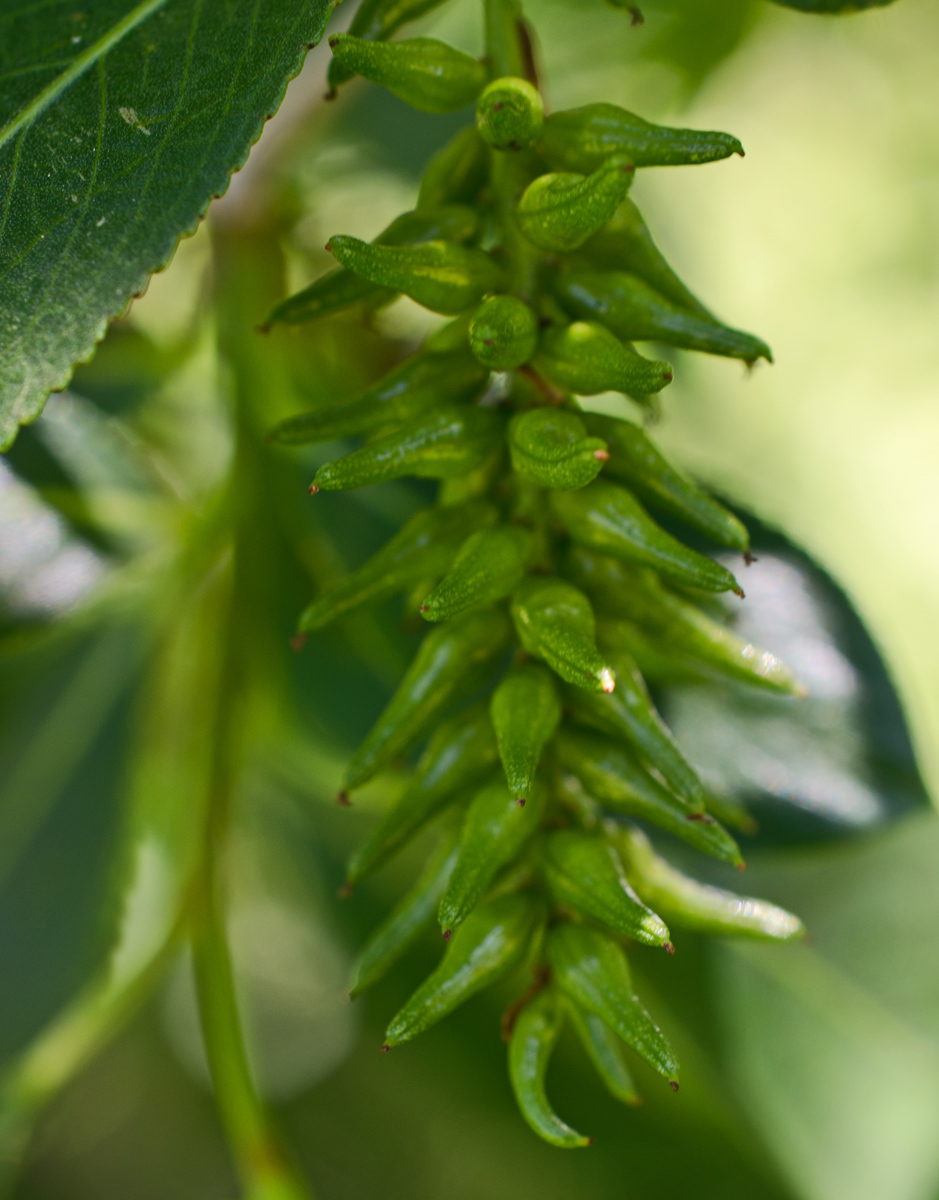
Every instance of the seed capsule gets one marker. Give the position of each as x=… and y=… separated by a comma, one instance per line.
x=510, y=114
x=377, y=20
x=587, y=359
x=491, y=941
x=592, y=970
x=636, y=313
x=534, y=1036
x=626, y=244
x=490, y=564
x=494, y=831
x=459, y=755
x=560, y=211
x=503, y=333
x=585, y=871
x=554, y=621
x=611, y=775
x=525, y=712
x=676, y=627
x=603, y=1050
x=407, y=920
x=438, y=446
x=606, y=517
x=441, y=276
x=340, y=288
x=636, y=460
x=551, y=447
x=420, y=383
x=453, y=659
x=424, y=547
x=427, y=74
x=456, y=173
x=695, y=905
x=582, y=139
x=630, y=715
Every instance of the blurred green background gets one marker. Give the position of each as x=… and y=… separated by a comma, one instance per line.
x=808, y=1072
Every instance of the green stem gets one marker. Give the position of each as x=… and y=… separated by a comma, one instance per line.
x=504, y=49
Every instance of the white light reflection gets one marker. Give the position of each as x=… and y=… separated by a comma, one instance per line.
x=44, y=571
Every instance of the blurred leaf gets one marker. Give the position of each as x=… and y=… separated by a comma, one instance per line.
x=834, y=1049
x=835, y=762
x=699, y=37
x=830, y=7
x=159, y=103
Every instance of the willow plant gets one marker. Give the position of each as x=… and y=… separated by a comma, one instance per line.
x=545, y=583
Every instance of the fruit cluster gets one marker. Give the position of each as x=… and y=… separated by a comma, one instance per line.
x=549, y=587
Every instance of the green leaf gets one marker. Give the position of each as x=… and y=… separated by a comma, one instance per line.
x=118, y=124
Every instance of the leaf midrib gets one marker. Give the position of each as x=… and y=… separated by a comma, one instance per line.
x=86, y=59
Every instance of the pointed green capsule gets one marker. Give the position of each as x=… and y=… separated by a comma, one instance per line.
x=695, y=905
x=487, y=946
x=525, y=711
x=551, y=447
x=490, y=565
x=534, y=1036
x=442, y=276
x=611, y=775
x=407, y=920
x=420, y=383
x=453, y=659
x=587, y=359
x=510, y=114
x=634, y=312
x=592, y=970
x=604, y=1051
x=676, y=627
x=503, y=333
x=441, y=445
x=582, y=139
x=456, y=173
x=495, y=829
x=585, y=872
x=636, y=460
x=630, y=715
x=626, y=244
x=424, y=548
x=376, y=21
x=340, y=288
x=607, y=518
x=560, y=211
x=555, y=622
x=427, y=74
x=459, y=755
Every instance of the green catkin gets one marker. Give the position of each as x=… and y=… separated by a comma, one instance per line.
x=534, y=1036
x=636, y=313
x=495, y=829
x=442, y=276
x=340, y=288
x=525, y=712
x=450, y=662
x=559, y=212
x=460, y=754
x=487, y=946
x=582, y=139
x=637, y=461
x=427, y=74
x=592, y=970
x=407, y=921
x=547, y=586
x=585, y=358
x=490, y=564
x=424, y=548
x=552, y=448
x=554, y=621
x=415, y=387
x=377, y=20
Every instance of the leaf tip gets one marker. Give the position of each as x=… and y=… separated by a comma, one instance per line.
x=673, y=1084
x=668, y=947
x=447, y=934
x=385, y=1048
x=345, y=891
x=313, y=489
x=342, y=797
x=297, y=642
